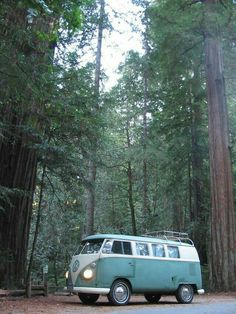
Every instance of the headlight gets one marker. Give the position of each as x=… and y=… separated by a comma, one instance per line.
x=88, y=274
x=67, y=274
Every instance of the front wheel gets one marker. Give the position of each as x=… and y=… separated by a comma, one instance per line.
x=87, y=298
x=152, y=298
x=120, y=293
x=184, y=294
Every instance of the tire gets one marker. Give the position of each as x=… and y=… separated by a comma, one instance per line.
x=184, y=294
x=87, y=298
x=120, y=293
x=152, y=298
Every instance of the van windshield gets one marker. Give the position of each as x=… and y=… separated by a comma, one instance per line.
x=92, y=247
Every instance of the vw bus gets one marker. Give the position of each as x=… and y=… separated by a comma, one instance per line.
x=118, y=265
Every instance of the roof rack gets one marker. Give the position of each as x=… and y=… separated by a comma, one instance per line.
x=180, y=237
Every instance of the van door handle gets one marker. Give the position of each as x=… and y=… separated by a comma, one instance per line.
x=131, y=264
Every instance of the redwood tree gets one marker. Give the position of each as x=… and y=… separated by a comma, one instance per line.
x=223, y=238
x=28, y=35
x=27, y=57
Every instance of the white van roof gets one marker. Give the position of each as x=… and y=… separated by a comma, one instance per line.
x=171, y=239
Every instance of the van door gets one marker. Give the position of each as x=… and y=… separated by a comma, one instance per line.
x=116, y=263
x=126, y=262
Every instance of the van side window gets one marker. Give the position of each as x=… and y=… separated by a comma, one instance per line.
x=117, y=248
x=173, y=251
x=107, y=247
x=120, y=247
x=142, y=248
x=127, y=248
x=158, y=250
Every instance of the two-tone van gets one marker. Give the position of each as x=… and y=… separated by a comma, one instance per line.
x=118, y=265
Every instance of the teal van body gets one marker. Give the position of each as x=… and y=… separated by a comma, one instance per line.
x=118, y=265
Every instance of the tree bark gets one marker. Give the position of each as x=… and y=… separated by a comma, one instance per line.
x=199, y=211
x=223, y=239
x=18, y=172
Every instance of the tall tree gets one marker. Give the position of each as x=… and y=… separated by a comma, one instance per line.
x=177, y=52
x=91, y=180
x=146, y=74
x=131, y=106
x=198, y=210
x=20, y=113
x=130, y=176
x=198, y=22
x=29, y=32
x=223, y=233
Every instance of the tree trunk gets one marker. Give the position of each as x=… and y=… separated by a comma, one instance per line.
x=18, y=171
x=223, y=239
x=199, y=210
x=130, y=197
x=55, y=270
x=18, y=160
x=28, y=275
x=92, y=165
x=130, y=186
x=178, y=215
x=146, y=69
x=90, y=206
x=145, y=174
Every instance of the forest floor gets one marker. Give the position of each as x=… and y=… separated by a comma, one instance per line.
x=62, y=304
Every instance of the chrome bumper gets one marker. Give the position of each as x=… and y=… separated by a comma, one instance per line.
x=88, y=290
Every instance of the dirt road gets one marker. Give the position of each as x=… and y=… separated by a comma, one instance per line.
x=71, y=305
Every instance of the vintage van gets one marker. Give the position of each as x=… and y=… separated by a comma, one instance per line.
x=118, y=265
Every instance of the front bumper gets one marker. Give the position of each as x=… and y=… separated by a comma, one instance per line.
x=201, y=291
x=88, y=290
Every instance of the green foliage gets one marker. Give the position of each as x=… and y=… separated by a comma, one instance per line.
x=177, y=124
x=60, y=229
x=73, y=18
x=51, y=93
x=45, y=107
x=7, y=194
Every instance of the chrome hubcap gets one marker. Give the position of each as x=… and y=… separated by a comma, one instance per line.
x=186, y=294
x=121, y=293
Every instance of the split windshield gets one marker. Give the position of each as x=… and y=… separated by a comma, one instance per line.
x=92, y=247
